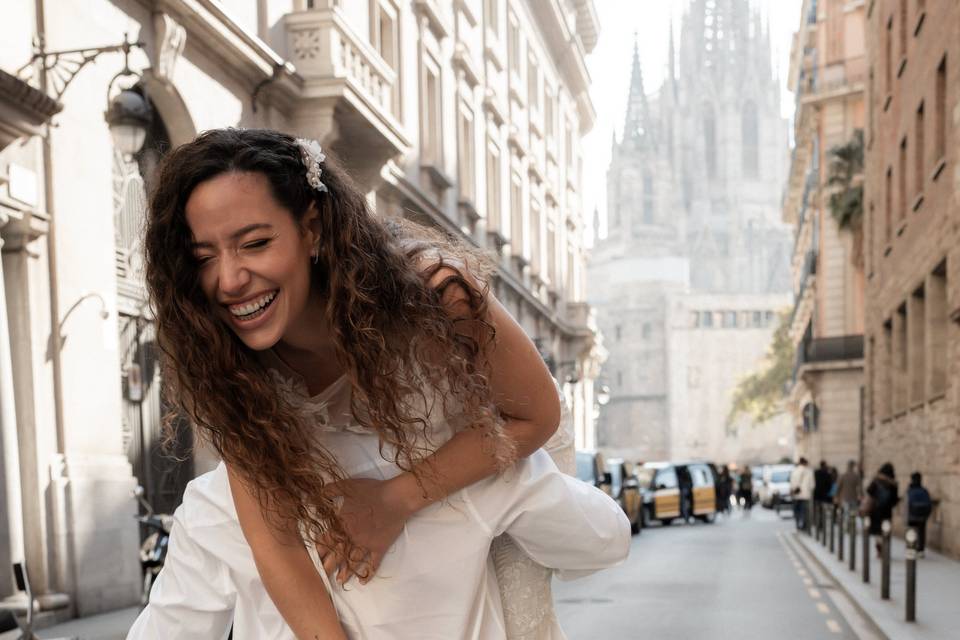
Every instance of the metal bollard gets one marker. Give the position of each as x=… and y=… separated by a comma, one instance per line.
x=911, y=539
x=866, y=549
x=885, y=560
x=852, y=524
x=840, y=525
x=832, y=522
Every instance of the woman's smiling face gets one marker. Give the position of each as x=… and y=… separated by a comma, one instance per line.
x=253, y=256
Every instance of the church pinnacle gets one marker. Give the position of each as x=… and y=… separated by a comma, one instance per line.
x=637, y=123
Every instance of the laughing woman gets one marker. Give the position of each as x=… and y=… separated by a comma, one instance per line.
x=286, y=310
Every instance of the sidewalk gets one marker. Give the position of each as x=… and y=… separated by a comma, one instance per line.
x=105, y=626
x=938, y=583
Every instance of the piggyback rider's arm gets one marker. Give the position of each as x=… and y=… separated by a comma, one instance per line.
x=193, y=597
x=559, y=521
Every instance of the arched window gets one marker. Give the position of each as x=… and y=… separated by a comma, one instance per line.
x=710, y=140
x=751, y=140
x=648, y=198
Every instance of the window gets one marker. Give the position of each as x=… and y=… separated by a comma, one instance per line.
x=757, y=319
x=902, y=201
x=552, y=269
x=666, y=479
x=916, y=350
x=707, y=317
x=729, y=319
x=386, y=40
x=901, y=372
x=494, y=194
x=466, y=173
x=940, y=132
x=549, y=117
x=491, y=15
x=647, y=330
x=888, y=205
x=533, y=84
x=918, y=151
x=648, y=201
x=535, y=229
x=886, y=395
x=513, y=46
x=710, y=141
x=695, y=319
x=888, y=57
x=938, y=320
x=430, y=114
x=516, y=215
x=751, y=140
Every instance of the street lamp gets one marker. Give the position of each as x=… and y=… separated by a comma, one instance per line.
x=128, y=116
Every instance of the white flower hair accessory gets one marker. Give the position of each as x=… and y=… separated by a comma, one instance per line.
x=312, y=156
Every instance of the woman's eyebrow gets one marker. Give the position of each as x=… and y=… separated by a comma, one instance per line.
x=239, y=233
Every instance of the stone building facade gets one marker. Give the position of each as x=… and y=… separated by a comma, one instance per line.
x=694, y=259
x=828, y=72
x=464, y=115
x=913, y=253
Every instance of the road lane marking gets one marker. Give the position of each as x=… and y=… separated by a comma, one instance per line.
x=833, y=626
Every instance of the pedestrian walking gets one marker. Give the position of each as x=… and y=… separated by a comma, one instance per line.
x=882, y=496
x=919, y=507
x=849, y=488
x=745, y=488
x=801, y=488
x=724, y=489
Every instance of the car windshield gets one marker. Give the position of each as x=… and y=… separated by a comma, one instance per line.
x=780, y=476
x=757, y=473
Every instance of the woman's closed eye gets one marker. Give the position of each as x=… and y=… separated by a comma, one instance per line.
x=257, y=244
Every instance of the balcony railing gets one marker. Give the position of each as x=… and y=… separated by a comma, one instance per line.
x=830, y=349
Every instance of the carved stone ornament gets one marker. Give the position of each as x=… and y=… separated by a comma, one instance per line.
x=306, y=44
x=171, y=39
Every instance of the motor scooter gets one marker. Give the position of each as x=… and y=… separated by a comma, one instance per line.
x=153, y=550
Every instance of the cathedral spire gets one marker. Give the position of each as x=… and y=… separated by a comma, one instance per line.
x=637, y=122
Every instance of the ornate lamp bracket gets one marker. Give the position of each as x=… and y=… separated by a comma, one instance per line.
x=62, y=67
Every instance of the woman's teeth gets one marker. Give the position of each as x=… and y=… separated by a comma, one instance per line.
x=245, y=311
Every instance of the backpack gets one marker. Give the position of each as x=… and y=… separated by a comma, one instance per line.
x=883, y=496
x=919, y=503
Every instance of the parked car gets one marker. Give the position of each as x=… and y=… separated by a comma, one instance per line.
x=775, y=492
x=684, y=490
x=615, y=478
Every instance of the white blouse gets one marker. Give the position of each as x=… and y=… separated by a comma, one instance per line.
x=437, y=581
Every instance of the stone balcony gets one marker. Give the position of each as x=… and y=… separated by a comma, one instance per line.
x=349, y=98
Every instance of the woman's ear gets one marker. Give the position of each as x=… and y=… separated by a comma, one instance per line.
x=311, y=224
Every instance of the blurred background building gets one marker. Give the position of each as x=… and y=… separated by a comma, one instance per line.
x=828, y=71
x=913, y=253
x=694, y=266
x=463, y=115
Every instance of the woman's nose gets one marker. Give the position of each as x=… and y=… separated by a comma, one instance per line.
x=233, y=276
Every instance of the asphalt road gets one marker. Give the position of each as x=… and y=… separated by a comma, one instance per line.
x=742, y=577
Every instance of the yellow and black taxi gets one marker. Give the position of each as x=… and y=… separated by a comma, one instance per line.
x=677, y=490
x=616, y=478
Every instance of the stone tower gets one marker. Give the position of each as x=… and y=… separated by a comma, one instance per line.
x=693, y=235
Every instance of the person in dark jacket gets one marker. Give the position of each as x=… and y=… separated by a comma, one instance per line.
x=919, y=507
x=822, y=482
x=724, y=489
x=883, y=497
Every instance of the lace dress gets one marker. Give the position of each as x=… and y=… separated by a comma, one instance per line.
x=524, y=585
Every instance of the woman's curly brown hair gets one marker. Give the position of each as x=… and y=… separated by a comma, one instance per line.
x=394, y=336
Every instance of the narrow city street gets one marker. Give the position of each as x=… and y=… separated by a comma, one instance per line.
x=741, y=577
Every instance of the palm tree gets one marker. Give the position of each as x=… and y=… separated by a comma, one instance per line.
x=845, y=179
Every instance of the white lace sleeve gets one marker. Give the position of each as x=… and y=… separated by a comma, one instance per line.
x=524, y=584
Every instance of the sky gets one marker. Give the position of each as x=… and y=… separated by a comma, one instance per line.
x=610, y=62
